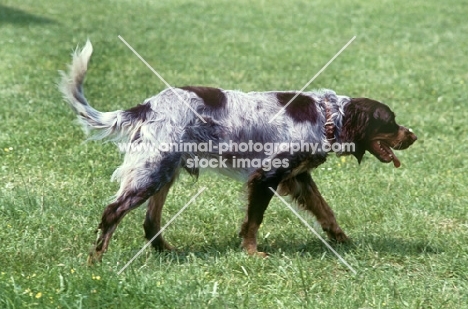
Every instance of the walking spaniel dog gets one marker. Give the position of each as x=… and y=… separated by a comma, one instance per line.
x=252, y=127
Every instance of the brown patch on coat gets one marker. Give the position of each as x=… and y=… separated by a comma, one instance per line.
x=301, y=109
x=212, y=97
x=139, y=112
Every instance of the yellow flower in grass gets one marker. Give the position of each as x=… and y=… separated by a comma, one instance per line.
x=72, y=270
x=38, y=295
x=342, y=161
x=96, y=277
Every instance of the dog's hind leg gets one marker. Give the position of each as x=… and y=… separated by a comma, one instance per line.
x=139, y=184
x=304, y=191
x=152, y=223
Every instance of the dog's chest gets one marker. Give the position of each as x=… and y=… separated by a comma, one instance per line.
x=302, y=162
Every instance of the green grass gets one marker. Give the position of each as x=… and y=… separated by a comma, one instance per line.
x=409, y=225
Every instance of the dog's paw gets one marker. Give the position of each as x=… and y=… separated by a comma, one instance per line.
x=337, y=235
x=254, y=252
x=340, y=237
x=162, y=245
x=94, y=257
x=261, y=254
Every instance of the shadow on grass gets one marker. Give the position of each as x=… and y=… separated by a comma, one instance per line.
x=397, y=246
x=314, y=247
x=16, y=16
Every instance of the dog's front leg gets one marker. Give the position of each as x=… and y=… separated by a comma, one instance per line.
x=259, y=196
x=310, y=198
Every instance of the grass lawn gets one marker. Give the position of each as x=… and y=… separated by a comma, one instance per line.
x=409, y=226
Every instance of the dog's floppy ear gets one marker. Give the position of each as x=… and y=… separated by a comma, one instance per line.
x=355, y=121
x=355, y=125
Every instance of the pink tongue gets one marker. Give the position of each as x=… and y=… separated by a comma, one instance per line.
x=396, y=162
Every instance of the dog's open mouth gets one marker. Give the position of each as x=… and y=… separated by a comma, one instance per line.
x=383, y=152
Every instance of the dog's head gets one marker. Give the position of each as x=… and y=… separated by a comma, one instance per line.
x=371, y=126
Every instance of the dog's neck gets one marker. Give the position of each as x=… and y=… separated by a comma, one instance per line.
x=333, y=107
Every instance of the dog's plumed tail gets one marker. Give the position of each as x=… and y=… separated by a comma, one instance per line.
x=111, y=125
